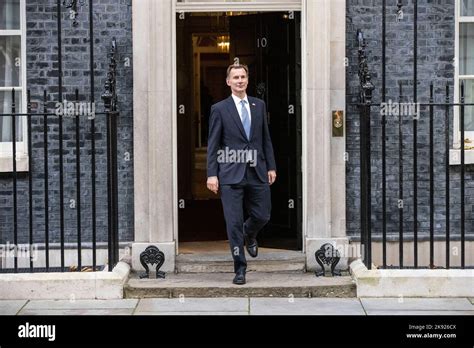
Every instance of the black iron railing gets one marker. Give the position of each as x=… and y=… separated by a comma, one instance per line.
x=110, y=102
x=366, y=88
x=41, y=116
x=442, y=113
x=110, y=114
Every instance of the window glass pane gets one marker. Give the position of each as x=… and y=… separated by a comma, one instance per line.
x=10, y=14
x=6, y=121
x=468, y=110
x=467, y=8
x=10, y=54
x=466, y=49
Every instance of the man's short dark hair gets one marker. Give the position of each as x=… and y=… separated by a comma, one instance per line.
x=237, y=66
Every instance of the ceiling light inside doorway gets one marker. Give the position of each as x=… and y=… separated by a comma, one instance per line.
x=223, y=43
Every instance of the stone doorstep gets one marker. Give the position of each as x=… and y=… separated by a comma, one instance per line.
x=228, y=267
x=267, y=261
x=258, y=285
x=412, y=282
x=65, y=285
x=265, y=254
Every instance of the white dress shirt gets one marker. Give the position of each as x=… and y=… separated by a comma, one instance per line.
x=238, y=105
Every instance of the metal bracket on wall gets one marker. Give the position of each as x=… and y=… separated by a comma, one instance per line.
x=327, y=255
x=72, y=6
x=153, y=256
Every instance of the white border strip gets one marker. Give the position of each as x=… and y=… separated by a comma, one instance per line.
x=237, y=6
x=223, y=7
x=412, y=282
x=174, y=100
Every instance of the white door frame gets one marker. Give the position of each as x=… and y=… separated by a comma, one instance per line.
x=262, y=6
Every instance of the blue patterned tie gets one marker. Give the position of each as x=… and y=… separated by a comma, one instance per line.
x=245, y=119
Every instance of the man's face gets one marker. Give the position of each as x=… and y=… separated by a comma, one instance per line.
x=238, y=80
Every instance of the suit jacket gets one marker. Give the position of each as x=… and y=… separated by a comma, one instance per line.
x=227, y=134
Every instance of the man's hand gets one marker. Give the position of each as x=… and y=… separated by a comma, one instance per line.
x=272, y=175
x=213, y=184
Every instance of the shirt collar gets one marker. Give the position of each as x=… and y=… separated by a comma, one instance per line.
x=237, y=100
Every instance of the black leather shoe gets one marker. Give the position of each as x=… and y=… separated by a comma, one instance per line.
x=239, y=278
x=251, y=245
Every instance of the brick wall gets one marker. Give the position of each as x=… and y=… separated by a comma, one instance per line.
x=436, y=30
x=112, y=18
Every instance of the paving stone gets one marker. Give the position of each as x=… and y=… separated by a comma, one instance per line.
x=193, y=305
x=191, y=313
x=111, y=311
x=305, y=306
x=11, y=307
x=81, y=304
x=420, y=312
x=415, y=304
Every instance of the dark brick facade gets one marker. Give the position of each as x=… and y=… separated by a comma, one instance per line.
x=436, y=40
x=112, y=18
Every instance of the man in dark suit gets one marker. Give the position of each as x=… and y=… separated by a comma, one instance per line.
x=241, y=163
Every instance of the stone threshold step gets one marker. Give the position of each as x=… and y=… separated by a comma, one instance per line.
x=267, y=261
x=228, y=267
x=264, y=254
x=258, y=285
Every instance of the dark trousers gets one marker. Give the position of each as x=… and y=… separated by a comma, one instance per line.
x=254, y=196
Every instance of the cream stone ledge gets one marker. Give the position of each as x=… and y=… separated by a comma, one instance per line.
x=64, y=286
x=153, y=122
x=203, y=6
x=317, y=130
x=338, y=102
x=412, y=282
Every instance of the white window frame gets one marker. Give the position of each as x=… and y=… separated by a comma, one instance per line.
x=6, y=148
x=455, y=156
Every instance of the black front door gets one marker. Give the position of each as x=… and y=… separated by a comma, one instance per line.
x=270, y=44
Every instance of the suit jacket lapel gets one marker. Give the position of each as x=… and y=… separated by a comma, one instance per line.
x=253, y=116
x=235, y=115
